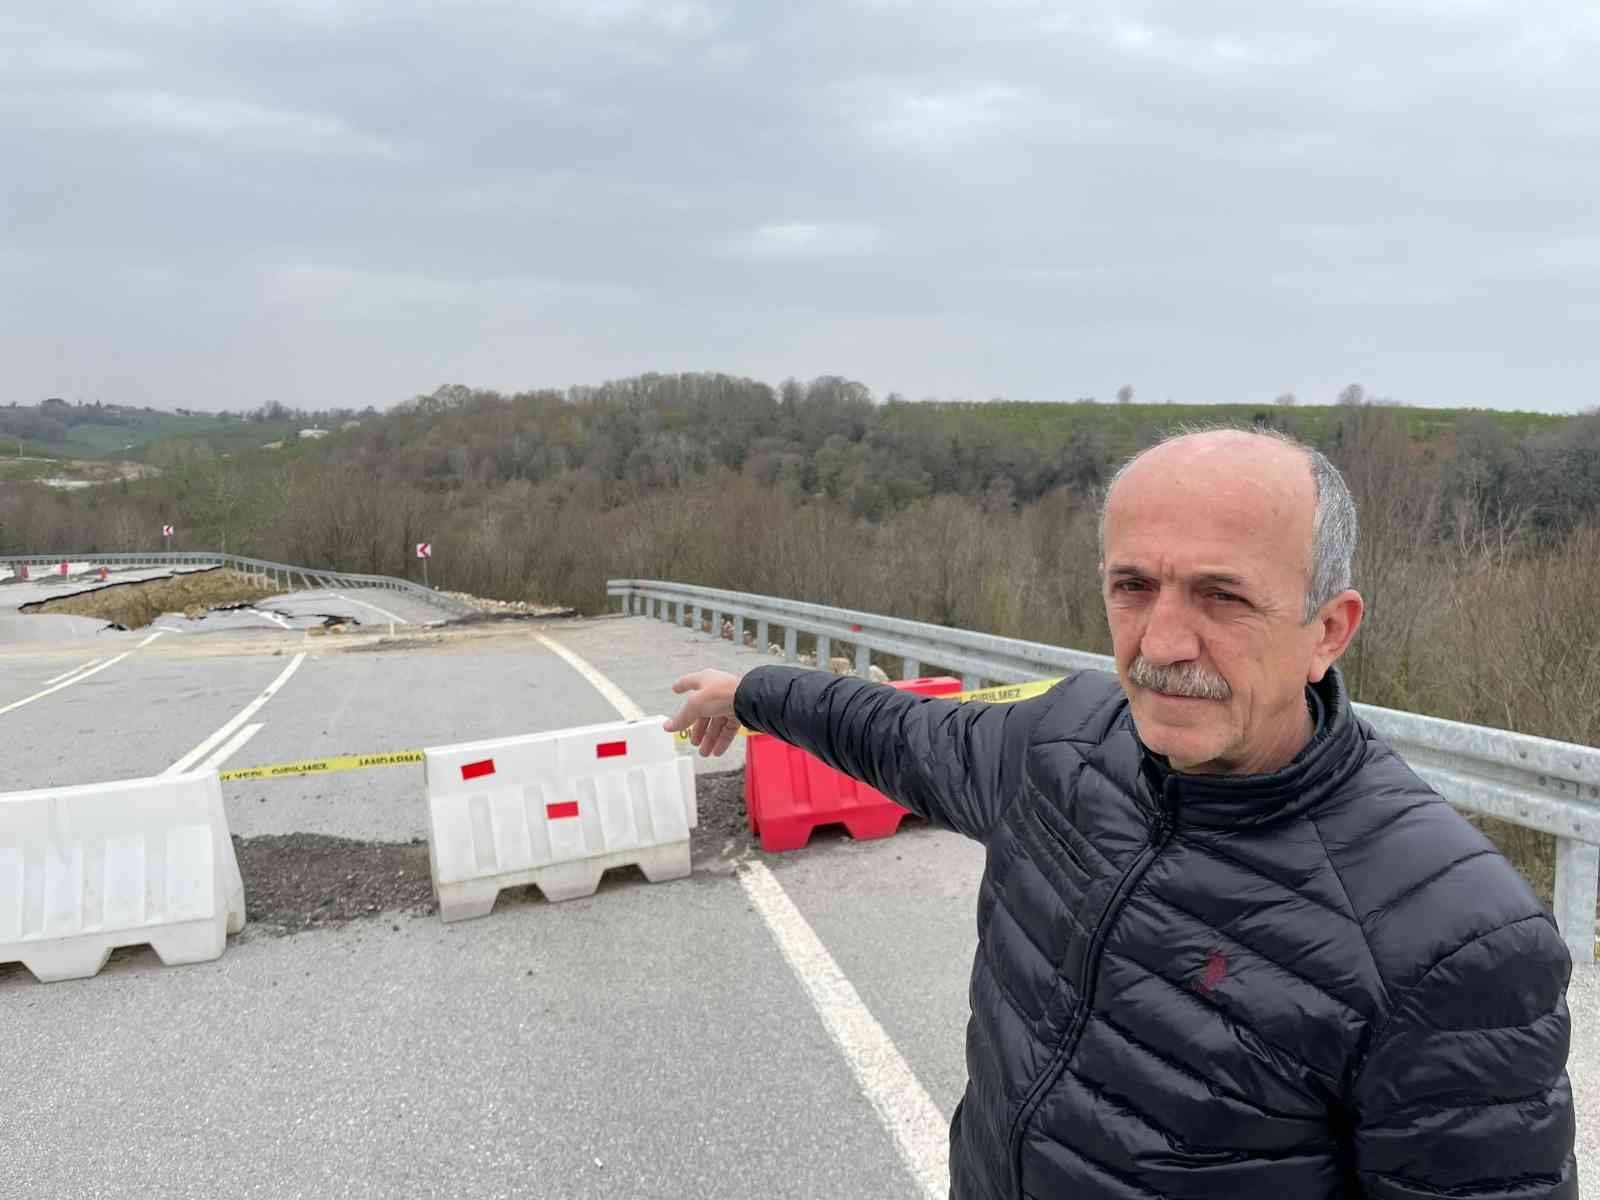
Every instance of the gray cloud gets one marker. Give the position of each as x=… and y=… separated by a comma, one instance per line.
x=1211, y=200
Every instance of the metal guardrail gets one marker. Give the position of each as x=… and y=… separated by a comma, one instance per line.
x=1529, y=781
x=282, y=574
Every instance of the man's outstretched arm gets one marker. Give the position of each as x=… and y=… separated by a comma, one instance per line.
x=955, y=764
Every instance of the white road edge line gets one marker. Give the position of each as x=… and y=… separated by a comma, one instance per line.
x=373, y=607
x=187, y=762
x=74, y=671
x=920, y=1132
x=78, y=678
x=617, y=697
x=233, y=746
x=275, y=618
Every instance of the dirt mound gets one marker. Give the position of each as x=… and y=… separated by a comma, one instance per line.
x=311, y=881
x=307, y=880
x=136, y=604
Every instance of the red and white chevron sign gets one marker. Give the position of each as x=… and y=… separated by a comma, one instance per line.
x=424, y=549
x=166, y=531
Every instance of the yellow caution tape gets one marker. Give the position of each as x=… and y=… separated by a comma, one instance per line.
x=319, y=766
x=1005, y=694
x=1008, y=693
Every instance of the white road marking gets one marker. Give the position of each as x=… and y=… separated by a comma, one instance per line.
x=275, y=618
x=77, y=678
x=74, y=671
x=920, y=1131
x=373, y=607
x=187, y=762
x=618, y=698
x=232, y=747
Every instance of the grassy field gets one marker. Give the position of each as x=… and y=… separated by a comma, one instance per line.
x=131, y=434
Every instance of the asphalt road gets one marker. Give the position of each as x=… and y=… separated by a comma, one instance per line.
x=652, y=1040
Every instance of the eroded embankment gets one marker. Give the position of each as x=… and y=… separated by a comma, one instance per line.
x=135, y=604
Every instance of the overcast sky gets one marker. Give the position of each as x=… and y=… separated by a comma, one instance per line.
x=335, y=202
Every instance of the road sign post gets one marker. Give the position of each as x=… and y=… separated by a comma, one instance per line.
x=166, y=536
x=425, y=552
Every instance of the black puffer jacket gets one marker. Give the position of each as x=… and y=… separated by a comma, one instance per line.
x=1316, y=983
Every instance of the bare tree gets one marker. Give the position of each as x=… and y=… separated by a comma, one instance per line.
x=1125, y=394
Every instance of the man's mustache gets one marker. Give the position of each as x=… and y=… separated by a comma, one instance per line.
x=1188, y=679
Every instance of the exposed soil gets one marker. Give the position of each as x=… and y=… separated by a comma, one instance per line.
x=721, y=835
x=136, y=604
x=311, y=881
x=506, y=616
x=396, y=643
x=301, y=881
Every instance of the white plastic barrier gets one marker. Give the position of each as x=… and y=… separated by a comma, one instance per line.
x=84, y=870
x=556, y=810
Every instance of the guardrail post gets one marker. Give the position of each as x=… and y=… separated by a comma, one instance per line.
x=677, y=612
x=716, y=625
x=863, y=659
x=791, y=643
x=824, y=651
x=970, y=683
x=910, y=669
x=1577, y=878
x=761, y=637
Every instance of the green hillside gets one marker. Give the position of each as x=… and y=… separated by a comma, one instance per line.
x=55, y=430
x=1125, y=427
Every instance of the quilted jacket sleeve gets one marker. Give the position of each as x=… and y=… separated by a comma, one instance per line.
x=955, y=764
x=1464, y=1092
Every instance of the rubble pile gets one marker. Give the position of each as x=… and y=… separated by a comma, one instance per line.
x=519, y=607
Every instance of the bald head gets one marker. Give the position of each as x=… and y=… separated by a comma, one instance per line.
x=1260, y=485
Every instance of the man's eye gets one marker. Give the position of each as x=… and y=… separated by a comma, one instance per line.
x=1128, y=585
x=1227, y=596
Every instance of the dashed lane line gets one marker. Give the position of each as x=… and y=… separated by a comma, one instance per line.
x=919, y=1129
x=74, y=671
x=232, y=746
x=78, y=677
x=230, y=726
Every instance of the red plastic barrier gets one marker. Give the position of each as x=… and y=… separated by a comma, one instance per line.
x=788, y=793
x=24, y=570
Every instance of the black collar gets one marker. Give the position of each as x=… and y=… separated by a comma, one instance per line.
x=1233, y=801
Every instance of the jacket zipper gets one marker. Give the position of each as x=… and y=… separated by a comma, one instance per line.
x=1159, y=836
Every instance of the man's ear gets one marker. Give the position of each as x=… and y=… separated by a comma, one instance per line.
x=1336, y=623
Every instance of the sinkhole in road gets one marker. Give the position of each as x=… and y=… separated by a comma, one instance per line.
x=299, y=881
x=136, y=604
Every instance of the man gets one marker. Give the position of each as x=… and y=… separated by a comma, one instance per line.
x=1229, y=944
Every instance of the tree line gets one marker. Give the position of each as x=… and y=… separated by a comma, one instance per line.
x=1480, y=553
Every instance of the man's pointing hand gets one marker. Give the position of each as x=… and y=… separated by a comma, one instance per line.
x=708, y=713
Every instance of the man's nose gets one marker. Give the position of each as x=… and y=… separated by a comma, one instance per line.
x=1169, y=635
